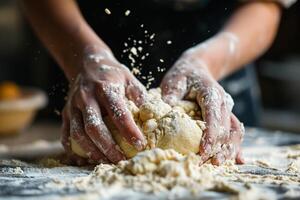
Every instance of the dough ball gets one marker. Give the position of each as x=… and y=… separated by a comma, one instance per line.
x=180, y=132
x=163, y=126
x=154, y=109
x=133, y=109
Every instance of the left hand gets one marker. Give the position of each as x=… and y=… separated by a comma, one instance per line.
x=190, y=78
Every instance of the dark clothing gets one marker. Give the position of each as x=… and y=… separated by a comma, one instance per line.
x=184, y=27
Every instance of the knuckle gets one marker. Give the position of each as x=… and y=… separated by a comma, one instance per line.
x=92, y=118
x=101, y=84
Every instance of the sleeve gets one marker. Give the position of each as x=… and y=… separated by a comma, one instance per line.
x=284, y=3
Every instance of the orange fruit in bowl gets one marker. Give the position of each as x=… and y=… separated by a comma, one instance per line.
x=18, y=106
x=9, y=91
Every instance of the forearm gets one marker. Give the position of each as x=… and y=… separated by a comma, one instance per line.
x=63, y=30
x=246, y=36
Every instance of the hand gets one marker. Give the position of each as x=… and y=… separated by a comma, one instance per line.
x=190, y=78
x=100, y=89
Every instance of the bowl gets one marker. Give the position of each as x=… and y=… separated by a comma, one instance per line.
x=17, y=114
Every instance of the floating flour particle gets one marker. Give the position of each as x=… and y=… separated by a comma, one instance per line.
x=152, y=36
x=142, y=25
x=127, y=12
x=161, y=60
x=131, y=59
x=151, y=79
x=107, y=11
x=134, y=51
x=136, y=71
x=169, y=42
x=140, y=49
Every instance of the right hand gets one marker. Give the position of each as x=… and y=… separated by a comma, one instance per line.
x=100, y=89
x=190, y=78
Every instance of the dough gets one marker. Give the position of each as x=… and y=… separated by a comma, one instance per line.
x=77, y=149
x=179, y=127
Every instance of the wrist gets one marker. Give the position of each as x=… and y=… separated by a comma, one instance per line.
x=201, y=61
x=218, y=53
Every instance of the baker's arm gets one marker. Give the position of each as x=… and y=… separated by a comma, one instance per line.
x=62, y=29
x=99, y=83
x=246, y=36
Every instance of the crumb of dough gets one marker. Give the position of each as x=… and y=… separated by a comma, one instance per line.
x=293, y=167
x=127, y=13
x=16, y=171
x=107, y=11
x=50, y=162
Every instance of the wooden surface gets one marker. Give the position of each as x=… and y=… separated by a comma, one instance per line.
x=32, y=183
x=37, y=141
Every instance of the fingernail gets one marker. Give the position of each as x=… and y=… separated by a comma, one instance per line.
x=139, y=144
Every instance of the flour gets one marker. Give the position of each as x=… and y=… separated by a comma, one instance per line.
x=167, y=174
x=154, y=171
x=160, y=172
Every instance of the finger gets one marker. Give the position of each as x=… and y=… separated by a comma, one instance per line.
x=112, y=97
x=95, y=127
x=174, y=87
x=226, y=153
x=100, y=135
x=227, y=105
x=232, y=147
x=210, y=102
x=239, y=158
x=136, y=92
x=205, y=149
x=65, y=139
x=237, y=128
x=79, y=136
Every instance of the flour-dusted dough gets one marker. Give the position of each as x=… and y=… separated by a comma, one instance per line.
x=165, y=127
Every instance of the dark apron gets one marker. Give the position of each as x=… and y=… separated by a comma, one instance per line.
x=185, y=23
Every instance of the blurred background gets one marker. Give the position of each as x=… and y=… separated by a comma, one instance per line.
x=26, y=62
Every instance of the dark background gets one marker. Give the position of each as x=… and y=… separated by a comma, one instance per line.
x=25, y=61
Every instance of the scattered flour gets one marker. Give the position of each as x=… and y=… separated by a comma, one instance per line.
x=155, y=171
